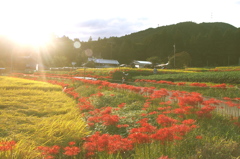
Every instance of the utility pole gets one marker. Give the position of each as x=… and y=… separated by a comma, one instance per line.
x=174, y=49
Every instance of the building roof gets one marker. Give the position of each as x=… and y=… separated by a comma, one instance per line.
x=142, y=62
x=162, y=65
x=104, y=61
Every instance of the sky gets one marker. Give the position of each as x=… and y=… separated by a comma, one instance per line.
x=36, y=19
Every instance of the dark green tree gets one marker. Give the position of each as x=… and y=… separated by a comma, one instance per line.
x=154, y=60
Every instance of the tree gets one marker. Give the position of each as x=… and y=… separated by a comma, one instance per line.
x=154, y=60
x=182, y=59
x=90, y=39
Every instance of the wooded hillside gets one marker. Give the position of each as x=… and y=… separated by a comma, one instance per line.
x=209, y=44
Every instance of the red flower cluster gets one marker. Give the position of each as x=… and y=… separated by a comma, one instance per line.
x=71, y=92
x=103, y=116
x=223, y=85
x=121, y=105
x=84, y=104
x=165, y=120
x=49, y=151
x=192, y=99
x=106, y=142
x=198, y=84
x=71, y=150
x=7, y=145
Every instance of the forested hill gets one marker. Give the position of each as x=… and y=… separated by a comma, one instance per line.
x=208, y=44
x=189, y=29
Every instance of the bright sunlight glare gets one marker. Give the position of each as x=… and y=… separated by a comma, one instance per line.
x=28, y=35
x=27, y=23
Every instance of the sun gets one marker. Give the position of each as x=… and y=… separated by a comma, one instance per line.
x=30, y=35
x=27, y=22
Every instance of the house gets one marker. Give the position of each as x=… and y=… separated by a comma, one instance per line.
x=103, y=63
x=141, y=64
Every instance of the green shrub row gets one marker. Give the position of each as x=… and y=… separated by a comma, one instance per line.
x=214, y=77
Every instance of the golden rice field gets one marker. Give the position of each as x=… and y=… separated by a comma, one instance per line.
x=36, y=113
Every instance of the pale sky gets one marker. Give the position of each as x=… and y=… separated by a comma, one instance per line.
x=106, y=18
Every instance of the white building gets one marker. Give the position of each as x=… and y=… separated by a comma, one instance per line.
x=141, y=64
x=104, y=63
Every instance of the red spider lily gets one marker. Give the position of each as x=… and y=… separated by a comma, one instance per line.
x=164, y=135
x=95, y=119
x=205, y=111
x=139, y=138
x=179, y=111
x=164, y=157
x=165, y=120
x=219, y=86
x=107, y=110
x=159, y=93
x=106, y=142
x=146, y=104
x=84, y=104
x=199, y=84
x=99, y=94
x=71, y=143
x=71, y=151
x=121, y=105
x=189, y=121
x=123, y=126
x=231, y=104
x=138, y=130
x=166, y=103
x=100, y=87
x=181, y=129
x=227, y=98
x=199, y=137
x=237, y=99
x=164, y=108
x=110, y=119
x=144, y=114
x=7, y=145
x=70, y=91
x=212, y=101
x=49, y=150
x=145, y=127
x=166, y=82
x=95, y=112
x=192, y=99
x=86, y=107
x=91, y=124
x=58, y=83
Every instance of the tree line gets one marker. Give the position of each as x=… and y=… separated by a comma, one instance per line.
x=188, y=44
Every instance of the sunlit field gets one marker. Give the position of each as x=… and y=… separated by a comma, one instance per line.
x=35, y=113
x=56, y=115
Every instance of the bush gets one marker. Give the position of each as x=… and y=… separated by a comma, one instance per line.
x=222, y=149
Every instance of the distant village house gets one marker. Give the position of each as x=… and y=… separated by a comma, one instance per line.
x=141, y=64
x=103, y=63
